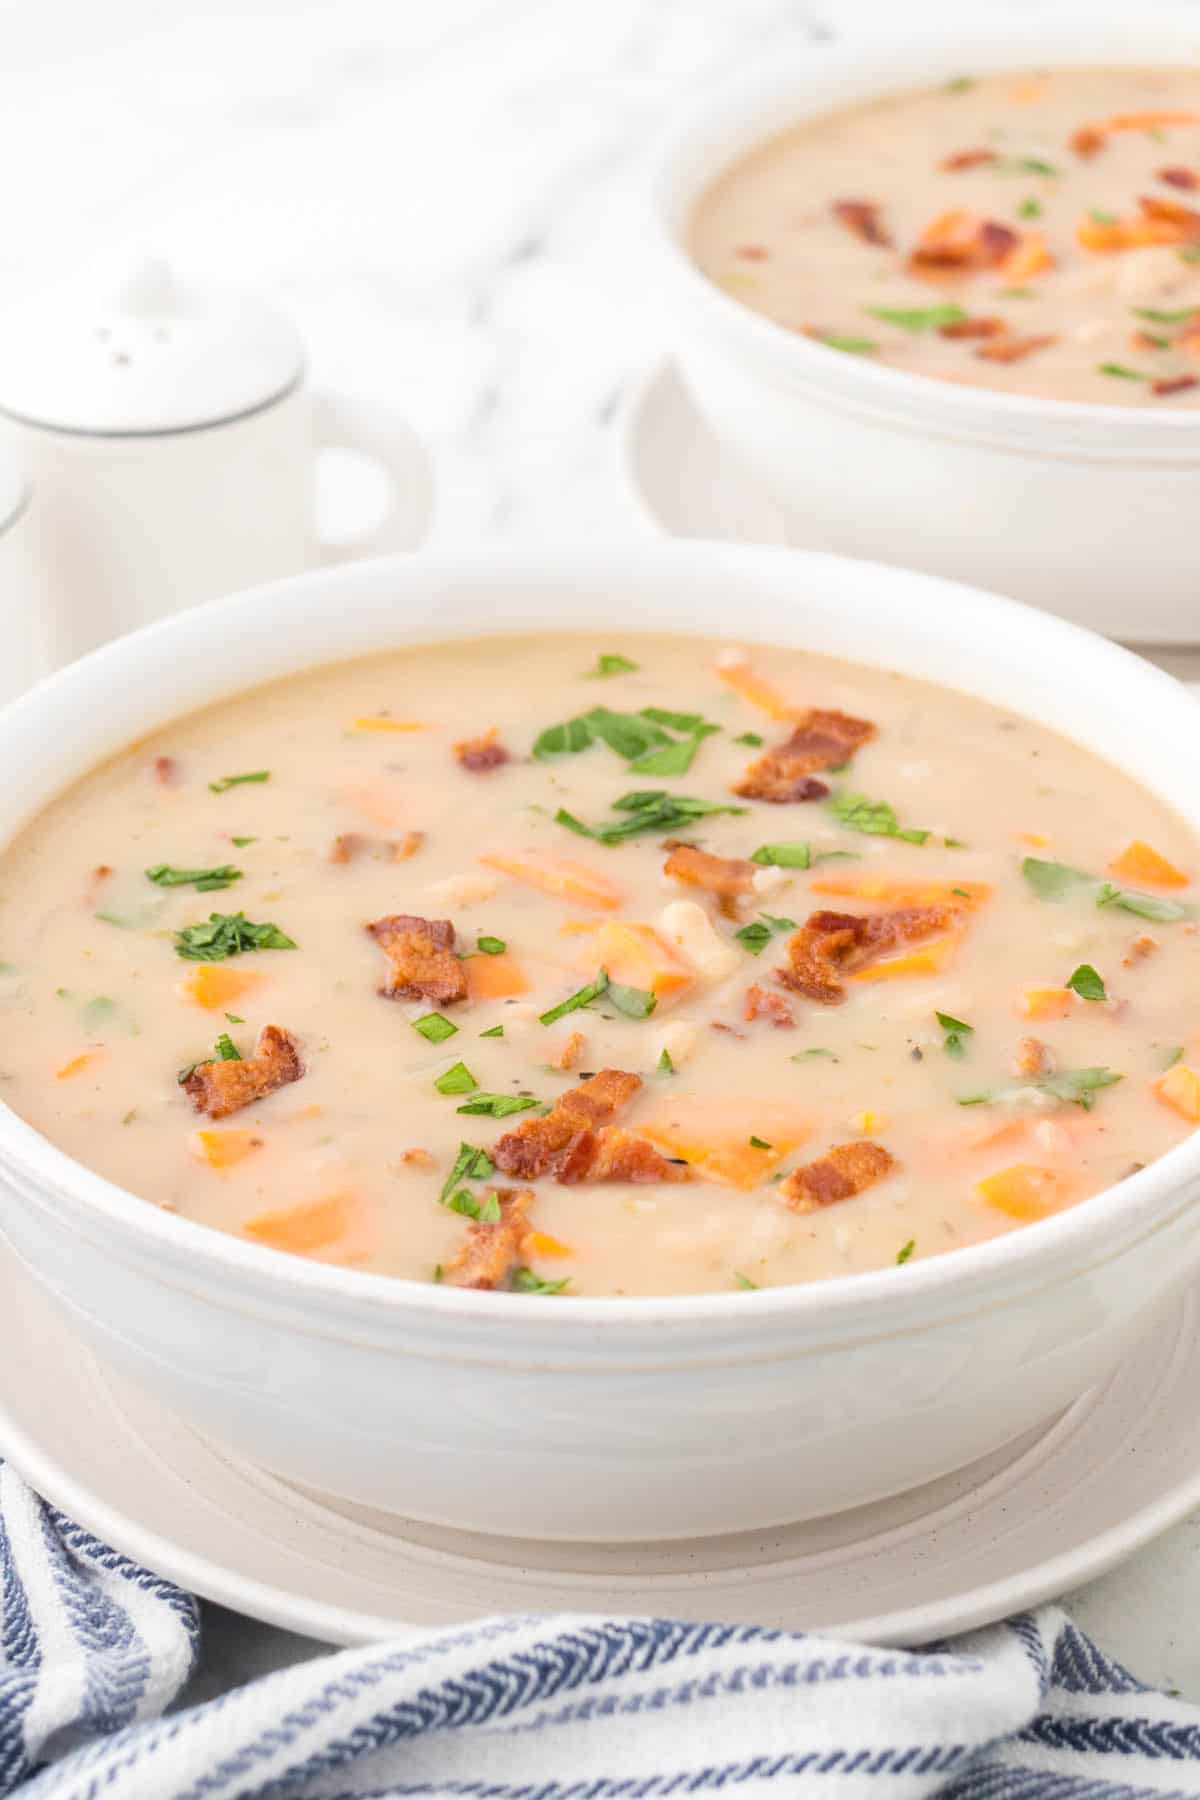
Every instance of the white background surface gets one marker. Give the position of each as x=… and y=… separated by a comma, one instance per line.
x=444, y=196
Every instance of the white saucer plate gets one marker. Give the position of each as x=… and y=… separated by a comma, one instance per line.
x=1043, y=1516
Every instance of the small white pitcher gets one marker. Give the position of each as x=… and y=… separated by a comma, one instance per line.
x=170, y=438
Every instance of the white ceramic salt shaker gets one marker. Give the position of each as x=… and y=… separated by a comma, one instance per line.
x=170, y=436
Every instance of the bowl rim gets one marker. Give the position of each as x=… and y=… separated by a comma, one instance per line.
x=1009, y=45
x=1085, y=1235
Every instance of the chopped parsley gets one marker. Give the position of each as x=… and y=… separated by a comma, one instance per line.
x=812, y=1055
x=225, y=1050
x=874, y=817
x=1190, y=253
x=1030, y=208
x=163, y=875
x=1058, y=881
x=1054, y=881
x=486, y=1211
x=229, y=781
x=611, y=665
x=1087, y=983
x=751, y=738
x=495, y=1106
x=491, y=946
x=959, y=85
x=228, y=934
x=524, y=1281
x=1077, y=1086
x=918, y=318
x=635, y=1003
x=957, y=1031
x=651, y=810
x=852, y=346
x=1099, y=217
x=1143, y=906
x=241, y=842
x=470, y=1164
x=1171, y=1056
x=581, y=998
x=641, y=738
x=456, y=1080
x=757, y=935
x=744, y=1281
x=798, y=856
x=666, y=1067
x=495, y=1031
x=1121, y=371
x=235, y=1018
x=757, y=1143
x=906, y=1250
x=434, y=1027
x=1023, y=165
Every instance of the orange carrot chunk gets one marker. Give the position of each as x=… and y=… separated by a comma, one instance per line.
x=1139, y=863
x=554, y=875
x=1179, y=1089
x=495, y=977
x=1025, y=1190
x=301, y=1230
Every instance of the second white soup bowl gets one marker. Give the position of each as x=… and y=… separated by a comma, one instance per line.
x=604, y=1419
x=1087, y=510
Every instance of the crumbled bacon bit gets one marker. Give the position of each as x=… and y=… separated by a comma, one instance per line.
x=417, y=1159
x=830, y=945
x=960, y=240
x=761, y=1003
x=1140, y=949
x=729, y=1030
x=1174, y=384
x=820, y=740
x=220, y=1088
x=615, y=1155
x=1015, y=349
x=1087, y=140
x=539, y=1146
x=752, y=252
x=1180, y=178
x=101, y=872
x=570, y=1052
x=862, y=218
x=967, y=159
x=727, y=876
x=972, y=328
x=490, y=1250
x=346, y=847
x=838, y=1175
x=1032, y=1057
x=166, y=771
x=423, y=963
x=482, y=753
x=350, y=845
x=1185, y=218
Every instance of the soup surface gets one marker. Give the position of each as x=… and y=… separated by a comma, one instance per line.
x=591, y=968
x=1038, y=233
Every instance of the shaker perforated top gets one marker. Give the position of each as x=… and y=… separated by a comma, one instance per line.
x=158, y=355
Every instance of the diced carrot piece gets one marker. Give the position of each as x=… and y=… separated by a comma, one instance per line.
x=1179, y=1089
x=903, y=890
x=1138, y=862
x=1149, y=120
x=1030, y=258
x=77, y=1064
x=713, y=1136
x=636, y=956
x=758, y=691
x=1036, y=839
x=495, y=977
x=303, y=1229
x=578, y=927
x=221, y=1149
x=1028, y=91
x=540, y=1243
x=565, y=880
x=1047, y=1003
x=377, y=801
x=930, y=959
x=378, y=724
x=215, y=987
x=1025, y=1190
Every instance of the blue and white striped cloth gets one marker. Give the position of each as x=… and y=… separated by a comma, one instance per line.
x=93, y=1650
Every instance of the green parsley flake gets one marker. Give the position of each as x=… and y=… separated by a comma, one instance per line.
x=226, y=1050
x=434, y=1027
x=1087, y=983
x=639, y=737
x=667, y=1067
x=611, y=665
x=918, y=318
x=1171, y=1056
x=486, y=1211
x=757, y=1143
x=1058, y=881
x=163, y=875
x=813, y=1055
x=1121, y=371
x=581, y=998
x=228, y=934
x=1030, y=208
x=1076, y=1086
x=635, y=1003
x=496, y=1106
x=906, y=1251
x=956, y=1030
x=235, y=1018
x=850, y=346
x=874, y=817
x=228, y=781
x=456, y=1080
x=960, y=84
x=750, y=738
x=471, y=1164
x=652, y=810
x=744, y=1281
x=757, y=935
x=524, y=1281
x=241, y=842
x=496, y=1031
x=491, y=946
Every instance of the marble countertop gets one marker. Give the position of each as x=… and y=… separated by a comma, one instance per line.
x=444, y=197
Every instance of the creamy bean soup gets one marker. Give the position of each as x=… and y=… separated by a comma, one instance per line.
x=1038, y=233
x=573, y=966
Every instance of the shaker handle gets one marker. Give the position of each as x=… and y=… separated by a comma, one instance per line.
x=342, y=422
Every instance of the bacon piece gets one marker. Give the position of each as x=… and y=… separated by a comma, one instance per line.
x=482, y=753
x=540, y=1146
x=838, y=1175
x=1087, y=140
x=490, y=1251
x=830, y=945
x=729, y=1030
x=1140, y=949
x=959, y=241
x=166, y=771
x=612, y=1154
x=423, y=963
x=862, y=218
x=973, y=328
x=220, y=1088
x=570, y=1053
x=727, y=876
x=349, y=845
x=967, y=159
x=761, y=1003
x=1186, y=179
x=1032, y=1057
x=1174, y=384
x=417, y=1159
x=1015, y=349
x=820, y=740
x=1185, y=219
x=752, y=252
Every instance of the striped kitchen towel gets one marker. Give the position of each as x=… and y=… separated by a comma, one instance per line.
x=93, y=1650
